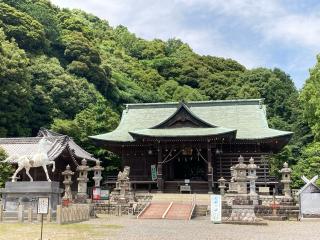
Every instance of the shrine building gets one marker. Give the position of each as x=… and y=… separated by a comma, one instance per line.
x=167, y=144
x=64, y=151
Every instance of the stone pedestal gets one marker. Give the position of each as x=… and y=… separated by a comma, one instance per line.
x=27, y=193
x=243, y=210
x=123, y=194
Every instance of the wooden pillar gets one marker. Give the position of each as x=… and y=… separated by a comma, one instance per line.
x=59, y=215
x=159, y=170
x=210, y=172
x=30, y=214
x=1, y=212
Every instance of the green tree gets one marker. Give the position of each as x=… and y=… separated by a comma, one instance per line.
x=310, y=98
x=15, y=94
x=5, y=169
x=27, y=31
x=93, y=120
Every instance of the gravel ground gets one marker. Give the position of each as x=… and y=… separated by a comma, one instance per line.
x=128, y=228
x=202, y=228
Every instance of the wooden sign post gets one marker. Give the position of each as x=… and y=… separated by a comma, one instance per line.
x=43, y=208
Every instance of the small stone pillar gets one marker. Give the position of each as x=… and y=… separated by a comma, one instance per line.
x=286, y=179
x=67, y=183
x=240, y=173
x=222, y=185
x=82, y=181
x=97, y=169
x=20, y=213
x=252, y=176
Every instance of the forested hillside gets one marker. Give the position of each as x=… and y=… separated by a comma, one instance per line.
x=71, y=71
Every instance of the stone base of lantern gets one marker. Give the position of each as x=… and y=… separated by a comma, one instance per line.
x=81, y=198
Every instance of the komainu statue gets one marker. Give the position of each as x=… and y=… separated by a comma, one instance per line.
x=124, y=175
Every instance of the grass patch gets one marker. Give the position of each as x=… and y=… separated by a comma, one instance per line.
x=52, y=231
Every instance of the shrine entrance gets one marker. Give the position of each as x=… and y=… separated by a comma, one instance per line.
x=188, y=165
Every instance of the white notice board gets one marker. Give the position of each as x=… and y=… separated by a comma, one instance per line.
x=216, y=208
x=43, y=205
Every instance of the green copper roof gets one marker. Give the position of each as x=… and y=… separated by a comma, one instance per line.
x=182, y=132
x=247, y=117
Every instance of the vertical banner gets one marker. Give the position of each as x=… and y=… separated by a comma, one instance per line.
x=153, y=172
x=96, y=193
x=216, y=208
x=104, y=194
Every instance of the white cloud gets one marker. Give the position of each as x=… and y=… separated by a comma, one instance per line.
x=271, y=18
x=278, y=28
x=164, y=19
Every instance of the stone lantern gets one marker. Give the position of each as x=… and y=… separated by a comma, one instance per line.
x=97, y=169
x=252, y=176
x=67, y=183
x=286, y=179
x=222, y=185
x=82, y=181
x=232, y=184
x=240, y=173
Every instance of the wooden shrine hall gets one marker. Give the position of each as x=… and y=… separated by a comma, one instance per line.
x=196, y=142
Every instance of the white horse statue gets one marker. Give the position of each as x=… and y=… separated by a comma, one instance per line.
x=38, y=159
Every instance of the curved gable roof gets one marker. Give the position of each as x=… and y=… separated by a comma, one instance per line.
x=247, y=117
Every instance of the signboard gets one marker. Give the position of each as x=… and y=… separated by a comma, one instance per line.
x=216, y=208
x=43, y=205
x=96, y=193
x=153, y=172
x=104, y=194
x=185, y=188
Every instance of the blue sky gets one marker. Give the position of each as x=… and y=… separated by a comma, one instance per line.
x=257, y=33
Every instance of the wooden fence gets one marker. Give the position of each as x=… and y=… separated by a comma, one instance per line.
x=73, y=213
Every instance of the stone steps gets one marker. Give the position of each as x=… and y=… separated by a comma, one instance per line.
x=201, y=199
x=200, y=210
x=179, y=211
x=154, y=211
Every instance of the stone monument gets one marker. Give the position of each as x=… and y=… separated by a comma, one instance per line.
x=67, y=183
x=286, y=180
x=122, y=194
x=82, y=182
x=25, y=194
